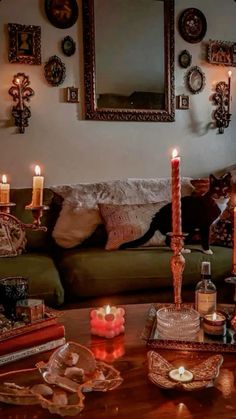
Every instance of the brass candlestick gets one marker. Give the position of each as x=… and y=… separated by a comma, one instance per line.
x=37, y=213
x=177, y=267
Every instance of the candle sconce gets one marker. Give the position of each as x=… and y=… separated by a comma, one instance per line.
x=37, y=213
x=222, y=100
x=21, y=93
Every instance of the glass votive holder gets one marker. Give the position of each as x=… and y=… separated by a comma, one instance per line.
x=178, y=324
x=214, y=324
x=107, y=321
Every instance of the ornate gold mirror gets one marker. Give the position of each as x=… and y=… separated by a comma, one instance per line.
x=129, y=60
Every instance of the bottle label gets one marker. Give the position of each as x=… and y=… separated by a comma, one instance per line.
x=205, y=302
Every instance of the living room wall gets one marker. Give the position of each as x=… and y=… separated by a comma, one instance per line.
x=72, y=150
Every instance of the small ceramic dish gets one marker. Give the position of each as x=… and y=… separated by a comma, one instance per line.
x=203, y=375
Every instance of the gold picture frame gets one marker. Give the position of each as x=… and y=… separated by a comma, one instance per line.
x=72, y=94
x=24, y=44
x=182, y=102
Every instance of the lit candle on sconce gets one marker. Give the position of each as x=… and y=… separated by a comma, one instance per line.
x=176, y=193
x=181, y=375
x=5, y=191
x=229, y=88
x=37, y=193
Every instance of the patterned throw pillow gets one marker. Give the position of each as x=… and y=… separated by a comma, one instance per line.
x=222, y=231
x=129, y=222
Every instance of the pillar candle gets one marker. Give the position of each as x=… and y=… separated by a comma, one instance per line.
x=20, y=95
x=5, y=191
x=37, y=194
x=107, y=321
x=229, y=88
x=176, y=194
x=234, y=243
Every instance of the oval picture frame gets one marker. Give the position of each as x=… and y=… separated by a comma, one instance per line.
x=61, y=13
x=195, y=80
x=68, y=46
x=55, y=71
x=192, y=25
x=185, y=59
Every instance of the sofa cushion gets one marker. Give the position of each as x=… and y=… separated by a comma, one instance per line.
x=81, y=202
x=93, y=272
x=125, y=223
x=36, y=240
x=44, y=280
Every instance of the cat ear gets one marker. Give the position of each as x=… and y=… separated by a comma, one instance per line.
x=212, y=179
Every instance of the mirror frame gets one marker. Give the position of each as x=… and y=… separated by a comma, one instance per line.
x=117, y=114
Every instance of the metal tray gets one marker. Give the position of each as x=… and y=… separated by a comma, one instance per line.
x=202, y=342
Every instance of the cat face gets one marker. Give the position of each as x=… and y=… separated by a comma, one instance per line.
x=220, y=187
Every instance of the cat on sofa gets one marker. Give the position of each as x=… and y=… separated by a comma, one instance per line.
x=198, y=213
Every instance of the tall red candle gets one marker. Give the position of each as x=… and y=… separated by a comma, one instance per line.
x=234, y=243
x=176, y=194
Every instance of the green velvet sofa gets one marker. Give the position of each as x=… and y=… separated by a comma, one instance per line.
x=89, y=275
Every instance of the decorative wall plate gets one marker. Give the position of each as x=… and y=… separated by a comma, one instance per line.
x=195, y=80
x=68, y=46
x=185, y=59
x=61, y=13
x=192, y=25
x=55, y=71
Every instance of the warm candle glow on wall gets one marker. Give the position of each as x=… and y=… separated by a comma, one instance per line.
x=38, y=181
x=5, y=190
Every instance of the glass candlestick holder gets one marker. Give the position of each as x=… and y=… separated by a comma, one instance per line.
x=178, y=322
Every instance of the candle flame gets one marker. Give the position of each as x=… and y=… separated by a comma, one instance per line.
x=229, y=73
x=18, y=81
x=37, y=170
x=214, y=316
x=107, y=309
x=174, y=153
x=4, y=179
x=181, y=371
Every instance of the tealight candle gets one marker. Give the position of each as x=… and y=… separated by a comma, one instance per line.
x=5, y=191
x=107, y=321
x=214, y=324
x=181, y=375
x=37, y=193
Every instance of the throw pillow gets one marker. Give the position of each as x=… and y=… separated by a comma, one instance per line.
x=74, y=225
x=222, y=231
x=129, y=222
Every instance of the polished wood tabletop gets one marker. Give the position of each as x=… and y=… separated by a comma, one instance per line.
x=136, y=396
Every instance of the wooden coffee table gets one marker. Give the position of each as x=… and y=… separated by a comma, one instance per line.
x=137, y=396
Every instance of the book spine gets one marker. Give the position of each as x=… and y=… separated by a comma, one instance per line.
x=25, y=353
x=34, y=338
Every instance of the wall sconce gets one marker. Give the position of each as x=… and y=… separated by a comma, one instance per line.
x=21, y=93
x=222, y=99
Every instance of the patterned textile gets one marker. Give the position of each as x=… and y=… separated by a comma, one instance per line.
x=222, y=230
x=129, y=222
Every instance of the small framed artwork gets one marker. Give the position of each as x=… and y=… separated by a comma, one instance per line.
x=192, y=25
x=195, y=80
x=55, y=71
x=61, y=13
x=185, y=59
x=24, y=44
x=222, y=52
x=182, y=102
x=68, y=46
x=72, y=94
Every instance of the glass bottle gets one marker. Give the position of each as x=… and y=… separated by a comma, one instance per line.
x=205, y=292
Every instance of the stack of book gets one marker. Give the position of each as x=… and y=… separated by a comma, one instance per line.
x=30, y=339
